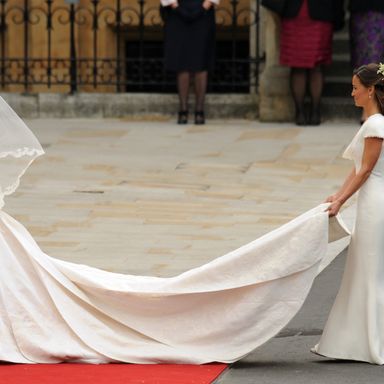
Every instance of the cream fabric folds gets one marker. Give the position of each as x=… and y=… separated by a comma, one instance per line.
x=18, y=148
x=53, y=311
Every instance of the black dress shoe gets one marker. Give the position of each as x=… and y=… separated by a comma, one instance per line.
x=199, y=118
x=300, y=118
x=315, y=118
x=182, y=117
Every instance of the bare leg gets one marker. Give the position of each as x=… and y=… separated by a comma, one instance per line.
x=316, y=85
x=298, y=82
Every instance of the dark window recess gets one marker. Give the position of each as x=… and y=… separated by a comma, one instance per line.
x=144, y=68
x=231, y=69
x=145, y=71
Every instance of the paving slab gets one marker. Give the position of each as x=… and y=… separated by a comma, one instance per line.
x=129, y=196
x=286, y=359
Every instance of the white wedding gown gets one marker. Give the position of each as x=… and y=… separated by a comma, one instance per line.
x=355, y=328
x=53, y=311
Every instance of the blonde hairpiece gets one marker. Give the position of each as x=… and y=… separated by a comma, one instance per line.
x=381, y=69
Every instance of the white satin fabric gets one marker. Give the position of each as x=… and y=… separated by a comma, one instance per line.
x=355, y=328
x=53, y=311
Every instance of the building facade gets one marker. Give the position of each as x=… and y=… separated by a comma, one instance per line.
x=69, y=46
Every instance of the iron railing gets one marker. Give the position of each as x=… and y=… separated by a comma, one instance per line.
x=115, y=45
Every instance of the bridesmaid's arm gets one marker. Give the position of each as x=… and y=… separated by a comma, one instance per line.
x=347, y=181
x=372, y=149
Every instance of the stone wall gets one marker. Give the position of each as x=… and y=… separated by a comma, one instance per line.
x=275, y=99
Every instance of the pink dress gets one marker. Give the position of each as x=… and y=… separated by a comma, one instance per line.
x=304, y=42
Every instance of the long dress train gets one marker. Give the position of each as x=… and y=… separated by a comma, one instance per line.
x=53, y=311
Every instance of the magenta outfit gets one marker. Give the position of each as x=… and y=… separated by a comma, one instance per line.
x=305, y=43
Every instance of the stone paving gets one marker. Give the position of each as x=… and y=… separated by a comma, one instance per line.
x=155, y=198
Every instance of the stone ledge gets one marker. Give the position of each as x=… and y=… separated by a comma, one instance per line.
x=114, y=105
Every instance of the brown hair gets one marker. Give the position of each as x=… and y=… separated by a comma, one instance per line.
x=369, y=77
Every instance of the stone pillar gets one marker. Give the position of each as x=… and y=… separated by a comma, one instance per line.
x=276, y=103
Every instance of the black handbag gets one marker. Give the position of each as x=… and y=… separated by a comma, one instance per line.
x=274, y=5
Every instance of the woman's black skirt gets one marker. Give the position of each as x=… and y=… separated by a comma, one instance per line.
x=189, y=39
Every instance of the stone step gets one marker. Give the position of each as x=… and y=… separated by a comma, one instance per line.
x=340, y=108
x=337, y=104
x=337, y=86
x=135, y=105
x=341, y=42
x=340, y=65
x=338, y=74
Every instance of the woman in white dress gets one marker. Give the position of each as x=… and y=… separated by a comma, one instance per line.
x=355, y=327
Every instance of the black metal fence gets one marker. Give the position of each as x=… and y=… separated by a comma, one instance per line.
x=115, y=45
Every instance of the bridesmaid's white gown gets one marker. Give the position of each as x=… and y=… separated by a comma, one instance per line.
x=53, y=311
x=355, y=327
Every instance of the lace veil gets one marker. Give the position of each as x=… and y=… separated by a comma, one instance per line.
x=18, y=148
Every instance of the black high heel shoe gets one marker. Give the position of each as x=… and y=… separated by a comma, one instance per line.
x=182, y=117
x=300, y=118
x=199, y=117
x=315, y=118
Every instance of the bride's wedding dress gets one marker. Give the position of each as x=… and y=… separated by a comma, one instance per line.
x=53, y=311
x=355, y=328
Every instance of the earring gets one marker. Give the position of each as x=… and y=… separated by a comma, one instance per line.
x=370, y=96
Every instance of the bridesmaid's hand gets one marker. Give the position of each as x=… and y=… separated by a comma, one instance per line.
x=332, y=198
x=174, y=5
x=207, y=5
x=334, y=208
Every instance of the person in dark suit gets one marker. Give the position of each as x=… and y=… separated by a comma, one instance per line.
x=189, y=27
x=306, y=46
x=366, y=29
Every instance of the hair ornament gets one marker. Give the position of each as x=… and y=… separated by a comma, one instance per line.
x=381, y=69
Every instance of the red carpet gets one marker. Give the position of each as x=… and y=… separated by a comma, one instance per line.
x=109, y=373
